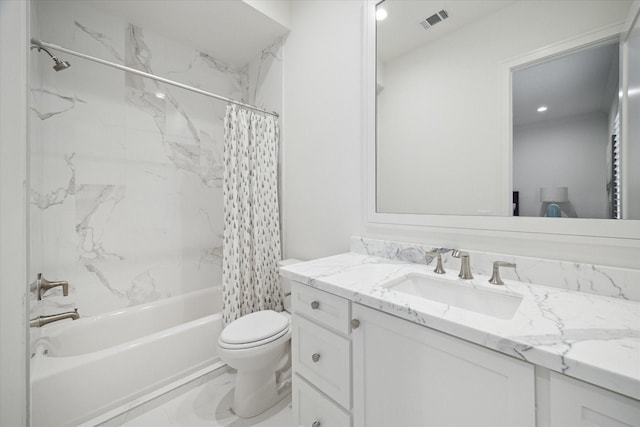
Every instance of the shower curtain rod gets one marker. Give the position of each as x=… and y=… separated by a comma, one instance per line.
x=41, y=43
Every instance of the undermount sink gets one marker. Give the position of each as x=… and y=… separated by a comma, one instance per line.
x=498, y=303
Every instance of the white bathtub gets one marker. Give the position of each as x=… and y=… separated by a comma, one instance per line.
x=96, y=364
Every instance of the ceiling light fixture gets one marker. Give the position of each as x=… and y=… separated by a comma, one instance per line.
x=381, y=14
x=542, y=109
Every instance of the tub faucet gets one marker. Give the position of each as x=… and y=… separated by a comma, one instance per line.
x=43, y=320
x=465, y=265
x=42, y=285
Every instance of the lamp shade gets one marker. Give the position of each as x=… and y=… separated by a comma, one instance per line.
x=554, y=194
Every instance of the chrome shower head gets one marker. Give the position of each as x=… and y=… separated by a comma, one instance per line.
x=59, y=65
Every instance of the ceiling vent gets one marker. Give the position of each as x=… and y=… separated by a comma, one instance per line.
x=434, y=19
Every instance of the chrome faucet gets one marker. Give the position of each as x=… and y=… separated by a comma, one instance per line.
x=439, y=269
x=495, y=276
x=43, y=320
x=465, y=265
x=42, y=285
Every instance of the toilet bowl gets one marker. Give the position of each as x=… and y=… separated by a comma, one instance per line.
x=257, y=345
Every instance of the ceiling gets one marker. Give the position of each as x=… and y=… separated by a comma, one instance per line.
x=578, y=83
x=401, y=32
x=230, y=30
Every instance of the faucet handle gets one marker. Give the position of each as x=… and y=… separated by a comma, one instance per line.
x=42, y=285
x=495, y=276
x=439, y=269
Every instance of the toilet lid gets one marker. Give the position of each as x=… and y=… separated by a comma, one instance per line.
x=254, y=327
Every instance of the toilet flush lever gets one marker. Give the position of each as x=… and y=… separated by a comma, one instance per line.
x=315, y=305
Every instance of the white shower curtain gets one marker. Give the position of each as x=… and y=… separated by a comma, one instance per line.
x=251, y=220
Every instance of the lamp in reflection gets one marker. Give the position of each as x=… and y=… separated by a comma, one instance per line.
x=555, y=201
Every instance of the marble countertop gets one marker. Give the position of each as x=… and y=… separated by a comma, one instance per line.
x=589, y=337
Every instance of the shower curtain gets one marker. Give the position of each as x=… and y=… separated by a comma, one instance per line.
x=251, y=248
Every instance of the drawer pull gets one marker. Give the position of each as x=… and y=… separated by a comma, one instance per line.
x=315, y=424
x=315, y=305
x=355, y=323
x=315, y=357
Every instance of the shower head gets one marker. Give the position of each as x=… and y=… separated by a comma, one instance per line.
x=59, y=65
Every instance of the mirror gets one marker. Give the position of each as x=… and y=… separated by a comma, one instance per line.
x=445, y=140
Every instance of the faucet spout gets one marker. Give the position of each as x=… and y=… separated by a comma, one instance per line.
x=465, y=264
x=40, y=321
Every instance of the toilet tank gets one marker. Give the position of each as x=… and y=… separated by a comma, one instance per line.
x=285, y=284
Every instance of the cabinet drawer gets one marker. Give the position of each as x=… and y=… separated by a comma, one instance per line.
x=323, y=307
x=323, y=358
x=310, y=406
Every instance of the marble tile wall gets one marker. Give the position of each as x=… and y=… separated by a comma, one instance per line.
x=600, y=280
x=126, y=172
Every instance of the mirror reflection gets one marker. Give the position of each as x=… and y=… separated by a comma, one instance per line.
x=441, y=146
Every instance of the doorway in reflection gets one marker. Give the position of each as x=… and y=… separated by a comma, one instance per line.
x=564, y=116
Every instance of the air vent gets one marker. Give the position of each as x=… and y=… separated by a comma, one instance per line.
x=434, y=19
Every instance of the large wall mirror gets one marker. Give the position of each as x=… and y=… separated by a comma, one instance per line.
x=505, y=108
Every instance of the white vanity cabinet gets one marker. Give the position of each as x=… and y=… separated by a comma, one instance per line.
x=408, y=375
x=321, y=358
x=356, y=366
x=574, y=403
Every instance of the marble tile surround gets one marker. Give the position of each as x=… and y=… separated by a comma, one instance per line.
x=599, y=280
x=126, y=197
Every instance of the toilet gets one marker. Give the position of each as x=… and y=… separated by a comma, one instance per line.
x=257, y=345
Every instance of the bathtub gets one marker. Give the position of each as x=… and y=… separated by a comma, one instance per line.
x=90, y=366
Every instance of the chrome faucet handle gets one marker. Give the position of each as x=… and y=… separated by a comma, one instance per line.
x=439, y=269
x=495, y=276
x=465, y=264
x=42, y=285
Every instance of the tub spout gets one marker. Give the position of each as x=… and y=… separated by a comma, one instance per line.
x=42, y=285
x=43, y=320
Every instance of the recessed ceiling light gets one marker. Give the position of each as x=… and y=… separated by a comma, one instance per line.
x=542, y=109
x=381, y=14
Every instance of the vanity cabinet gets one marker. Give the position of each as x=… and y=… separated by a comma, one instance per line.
x=356, y=366
x=408, y=375
x=321, y=358
x=579, y=404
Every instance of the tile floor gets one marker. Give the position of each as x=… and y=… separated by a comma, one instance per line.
x=210, y=405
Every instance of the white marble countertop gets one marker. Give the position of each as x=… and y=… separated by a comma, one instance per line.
x=589, y=337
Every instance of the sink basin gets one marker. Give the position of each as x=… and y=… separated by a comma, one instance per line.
x=499, y=303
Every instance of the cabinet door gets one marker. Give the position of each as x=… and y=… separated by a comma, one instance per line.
x=578, y=404
x=409, y=375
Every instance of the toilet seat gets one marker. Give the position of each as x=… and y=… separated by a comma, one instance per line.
x=254, y=330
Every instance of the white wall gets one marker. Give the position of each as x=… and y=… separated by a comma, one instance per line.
x=322, y=197
x=569, y=152
x=440, y=114
x=14, y=38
